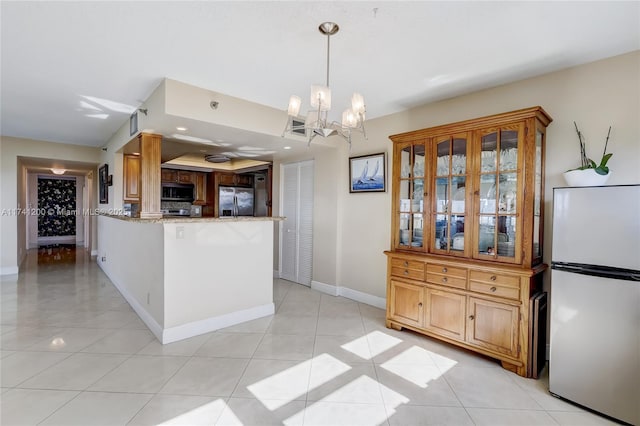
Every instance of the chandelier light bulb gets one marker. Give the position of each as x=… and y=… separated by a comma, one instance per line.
x=357, y=103
x=349, y=118
x=320, y=97
x=294, y=105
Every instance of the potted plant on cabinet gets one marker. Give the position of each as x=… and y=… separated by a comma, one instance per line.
x=589, y=173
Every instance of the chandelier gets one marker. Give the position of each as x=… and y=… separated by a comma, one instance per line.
x=316, y=122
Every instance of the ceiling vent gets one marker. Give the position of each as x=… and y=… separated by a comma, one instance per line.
x=217, y=158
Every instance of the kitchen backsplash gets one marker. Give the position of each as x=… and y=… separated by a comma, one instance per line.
x=175, y=205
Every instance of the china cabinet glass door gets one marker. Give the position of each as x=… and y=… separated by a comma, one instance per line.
x=411, y=197
x=449, y=194
x=538, y=190
x=498, y=218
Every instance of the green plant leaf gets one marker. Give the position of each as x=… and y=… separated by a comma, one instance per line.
x=592, y=164
x=603, y=162
x=602, y=170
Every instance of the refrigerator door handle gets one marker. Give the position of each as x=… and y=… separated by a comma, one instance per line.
x=597, y=271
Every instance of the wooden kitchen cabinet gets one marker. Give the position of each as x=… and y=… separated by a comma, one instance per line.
x=177, y=176
x=234, y=179
x=467, y=204
x=131, y=178
x=168, y=175
x=201, y=188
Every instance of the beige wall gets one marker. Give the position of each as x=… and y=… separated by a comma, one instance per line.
x=13, y=184
x=595, y=95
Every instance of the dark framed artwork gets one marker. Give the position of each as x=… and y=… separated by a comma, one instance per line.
x=367, y=173
x=103, y=183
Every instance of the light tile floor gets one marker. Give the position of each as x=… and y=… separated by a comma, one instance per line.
x=74, y=352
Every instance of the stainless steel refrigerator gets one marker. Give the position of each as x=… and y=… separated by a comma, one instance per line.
x=595, y=299
x=235, y=201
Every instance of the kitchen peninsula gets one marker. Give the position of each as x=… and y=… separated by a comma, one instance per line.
x=189, y=276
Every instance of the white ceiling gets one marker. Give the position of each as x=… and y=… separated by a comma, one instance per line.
x=74, y=71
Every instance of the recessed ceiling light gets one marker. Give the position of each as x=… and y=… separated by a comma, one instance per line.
x=182, y=129
x=287, y=147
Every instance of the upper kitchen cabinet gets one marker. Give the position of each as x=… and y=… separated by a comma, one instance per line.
x=131, y=178
x=177, y=176
x=472, y=189
x=234, y=179
x=200, y=179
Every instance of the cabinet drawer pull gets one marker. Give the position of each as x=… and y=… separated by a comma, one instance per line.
x=493, y=289
x=406, y=263
x=444, y=270
x=444, y=279
x=420, y=304
x=406, y=272
x=493, y=277
x=471, y=317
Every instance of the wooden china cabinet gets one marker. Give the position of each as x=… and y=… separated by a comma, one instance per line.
x=467, y=228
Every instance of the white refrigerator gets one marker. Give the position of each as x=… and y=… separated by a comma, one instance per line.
x=595, y=299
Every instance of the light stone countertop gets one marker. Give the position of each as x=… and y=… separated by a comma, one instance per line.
x=195, y=219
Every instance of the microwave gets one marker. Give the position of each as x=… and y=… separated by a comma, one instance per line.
x=177, y=192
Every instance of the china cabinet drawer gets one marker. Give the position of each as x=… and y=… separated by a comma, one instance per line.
x=495, y=290
x=492, y=278
x=447, y=275
x=414, y=274
x=407, y=264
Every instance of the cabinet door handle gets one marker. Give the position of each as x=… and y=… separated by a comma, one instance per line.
x=493, y=289
x=444, y=279
x=406, y=263
x=471, y=317
x=444, y=270
x=493, y=277
x=420, y=304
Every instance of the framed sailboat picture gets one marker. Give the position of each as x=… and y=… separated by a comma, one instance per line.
x=367, y=173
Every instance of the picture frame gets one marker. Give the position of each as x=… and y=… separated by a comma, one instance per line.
x=133, y=124
x=368, y=173
x=103, y=183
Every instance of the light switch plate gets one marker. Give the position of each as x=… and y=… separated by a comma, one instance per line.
x=179, y=232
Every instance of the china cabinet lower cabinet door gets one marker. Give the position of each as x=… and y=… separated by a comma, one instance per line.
x=445, y=313
x=493, y=326
x=406, y=304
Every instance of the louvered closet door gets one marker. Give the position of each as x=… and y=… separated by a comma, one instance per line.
x=296, y=233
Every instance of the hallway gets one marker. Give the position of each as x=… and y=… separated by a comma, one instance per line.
x=74, y=352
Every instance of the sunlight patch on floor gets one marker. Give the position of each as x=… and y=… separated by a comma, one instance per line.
x=293, y=382
x=370, y=345
x=417, y=366
x=204, y=414
x=337, y=409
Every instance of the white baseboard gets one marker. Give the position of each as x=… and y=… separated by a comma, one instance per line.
x=9, y=270
x=325, y=288
x=94, y=253
x=173, y=334
x=145, y=316
x=366, y=298
x=195, y=328
x=358, y=296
